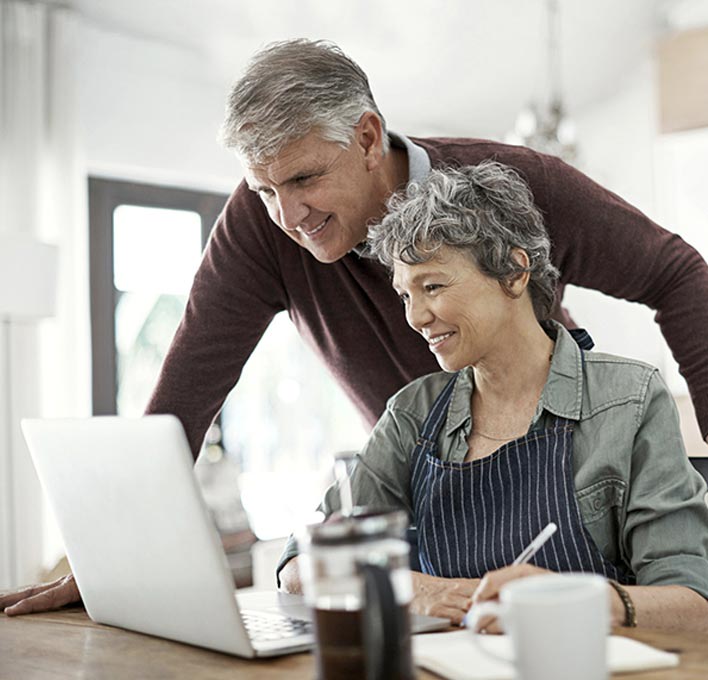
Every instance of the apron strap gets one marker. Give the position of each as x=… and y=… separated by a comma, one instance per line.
x=433, y=423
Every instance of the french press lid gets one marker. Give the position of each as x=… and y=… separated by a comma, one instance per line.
x=364, y=524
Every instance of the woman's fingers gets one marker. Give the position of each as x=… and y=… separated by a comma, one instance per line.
x=488, y=624
x=493, y=581
x=443, y=597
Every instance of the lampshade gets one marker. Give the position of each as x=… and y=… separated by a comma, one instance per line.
x=28, y=272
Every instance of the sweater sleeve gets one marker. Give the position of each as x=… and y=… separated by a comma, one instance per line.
x=235, y=294
x=602, y=242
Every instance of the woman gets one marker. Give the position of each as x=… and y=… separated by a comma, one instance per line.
x=530, y=428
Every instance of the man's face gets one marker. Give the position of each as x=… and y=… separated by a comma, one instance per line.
x=321, y=194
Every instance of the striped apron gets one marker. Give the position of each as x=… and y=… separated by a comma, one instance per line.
x=477, y=516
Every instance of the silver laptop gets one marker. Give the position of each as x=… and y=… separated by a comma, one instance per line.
x=143, y=549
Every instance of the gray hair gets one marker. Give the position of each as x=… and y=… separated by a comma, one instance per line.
x=485, y=211
x=291, y=88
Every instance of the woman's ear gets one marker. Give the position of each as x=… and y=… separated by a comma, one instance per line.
x=518, y=283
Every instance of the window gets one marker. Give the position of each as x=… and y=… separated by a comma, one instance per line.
x=138, y=292
x=286, y=417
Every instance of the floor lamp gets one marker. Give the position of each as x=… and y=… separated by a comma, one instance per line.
x=28, y=272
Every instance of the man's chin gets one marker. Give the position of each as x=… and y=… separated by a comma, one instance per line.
x=326, y=256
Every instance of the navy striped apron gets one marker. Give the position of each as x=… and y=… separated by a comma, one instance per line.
x=477, y=516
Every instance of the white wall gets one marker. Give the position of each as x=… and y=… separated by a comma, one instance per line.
x=616, y=141
x=151, y=112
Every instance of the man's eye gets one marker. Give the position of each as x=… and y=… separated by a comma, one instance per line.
x=303, y=179
x=431, y=287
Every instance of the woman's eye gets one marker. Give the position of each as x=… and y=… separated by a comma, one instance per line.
x=265, y=194
x=403, y=297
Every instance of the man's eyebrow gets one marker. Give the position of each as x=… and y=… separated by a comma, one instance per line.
x=302, y=172
x=256, y=187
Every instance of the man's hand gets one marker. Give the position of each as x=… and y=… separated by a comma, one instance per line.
x=41, y=598
x=448, y=598
x=490, y=585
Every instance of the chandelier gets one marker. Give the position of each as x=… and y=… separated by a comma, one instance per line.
x=548, y=129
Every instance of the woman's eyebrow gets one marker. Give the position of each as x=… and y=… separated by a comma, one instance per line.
x=426, y=274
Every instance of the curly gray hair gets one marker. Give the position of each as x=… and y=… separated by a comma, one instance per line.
x=485, y=211
x=291, y=88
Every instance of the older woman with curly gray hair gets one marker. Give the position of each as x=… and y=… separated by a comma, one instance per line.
x=524, y=426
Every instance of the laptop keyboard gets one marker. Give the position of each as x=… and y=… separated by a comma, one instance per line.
x=262, y=626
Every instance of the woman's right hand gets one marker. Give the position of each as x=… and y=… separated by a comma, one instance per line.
x=41, y=598
x=290, y=578
x=448, y=598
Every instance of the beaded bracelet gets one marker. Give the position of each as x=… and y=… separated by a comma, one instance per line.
x=630, y=613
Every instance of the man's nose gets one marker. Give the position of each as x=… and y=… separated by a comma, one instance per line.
x=291, y=212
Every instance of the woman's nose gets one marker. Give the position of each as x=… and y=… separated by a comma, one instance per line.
x=418, y=315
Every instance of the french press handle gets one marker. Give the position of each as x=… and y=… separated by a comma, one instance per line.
x=381, y=628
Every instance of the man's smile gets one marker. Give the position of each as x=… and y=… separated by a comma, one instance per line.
x=316, y=230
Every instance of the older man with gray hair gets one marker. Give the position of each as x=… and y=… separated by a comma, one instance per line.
x=320, y=165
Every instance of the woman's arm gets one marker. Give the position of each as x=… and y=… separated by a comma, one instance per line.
x=670, y=608
x=448, y=598
x=664, y=532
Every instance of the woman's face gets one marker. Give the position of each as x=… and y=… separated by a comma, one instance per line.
x=463, y=314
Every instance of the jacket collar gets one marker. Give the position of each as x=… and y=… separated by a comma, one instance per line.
x=562, y=394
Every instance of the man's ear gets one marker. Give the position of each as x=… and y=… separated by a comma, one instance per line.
x=369, y=136
x=517, y=285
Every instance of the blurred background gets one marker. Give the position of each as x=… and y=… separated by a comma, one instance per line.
x=109, y=111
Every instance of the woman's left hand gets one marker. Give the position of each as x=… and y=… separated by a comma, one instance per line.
x=491, y=584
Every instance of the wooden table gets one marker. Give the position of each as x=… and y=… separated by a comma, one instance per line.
x=67, y=644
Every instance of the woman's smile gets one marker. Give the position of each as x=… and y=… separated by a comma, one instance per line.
x=437, y=343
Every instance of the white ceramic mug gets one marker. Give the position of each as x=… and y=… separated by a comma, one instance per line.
x=557, y=624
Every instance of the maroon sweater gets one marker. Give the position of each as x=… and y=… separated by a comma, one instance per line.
x=348, y=312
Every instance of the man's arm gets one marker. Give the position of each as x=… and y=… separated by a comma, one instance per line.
x=602, y=242
x=41, y=598
x=236, y=292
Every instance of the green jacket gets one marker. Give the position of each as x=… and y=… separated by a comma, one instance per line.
x=640, y=498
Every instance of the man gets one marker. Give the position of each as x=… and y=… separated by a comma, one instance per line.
x=319, y=166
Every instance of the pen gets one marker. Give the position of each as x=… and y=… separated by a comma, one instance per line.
x=526, y=554
x=532, y=548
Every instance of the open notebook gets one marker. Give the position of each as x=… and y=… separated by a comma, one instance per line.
x=452, y=655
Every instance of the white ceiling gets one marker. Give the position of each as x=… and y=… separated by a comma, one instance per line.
x=484, y=59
